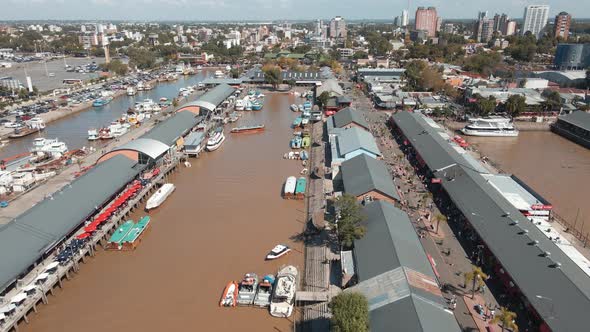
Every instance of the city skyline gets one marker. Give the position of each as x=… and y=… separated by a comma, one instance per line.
x=211, y=10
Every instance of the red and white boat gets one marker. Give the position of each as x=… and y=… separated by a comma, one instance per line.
x=278, y=251
x=230, y=295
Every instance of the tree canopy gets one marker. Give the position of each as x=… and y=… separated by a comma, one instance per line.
x=515, y=105
x=350, y=313
x=272, y=74
x=349, y=220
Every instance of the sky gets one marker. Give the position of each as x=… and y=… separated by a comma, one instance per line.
x=211, y=10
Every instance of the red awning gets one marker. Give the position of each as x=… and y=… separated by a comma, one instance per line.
x=83, y=236
x=90, y=228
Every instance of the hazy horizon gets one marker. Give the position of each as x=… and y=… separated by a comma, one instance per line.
x=261, y=10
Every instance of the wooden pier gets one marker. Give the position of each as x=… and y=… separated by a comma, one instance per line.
x=65, y=271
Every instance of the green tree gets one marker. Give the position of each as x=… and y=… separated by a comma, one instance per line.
x=323, y=98
x=350, y=313
x=349, y=220
x=476, y=276
x=115, y=66
x=552, y=101
x=515, y=105
x=272, y=75
x=360, y=55
x=506, y=320
x=141, y=57
x=485, y=106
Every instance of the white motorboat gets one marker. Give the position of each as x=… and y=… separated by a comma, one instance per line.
x=290, y=184
x=131, y=91
x=247, y=289
x=284, y=292
x=492, y=126
x=239, y=105
x=117, y=129
x=147, y=105
x=216, y=140
x=278, y=251
x=294, y=108
x=52, y=147
x=36, y=123
x=199, y=67
x=160, y=196
x=219, y=74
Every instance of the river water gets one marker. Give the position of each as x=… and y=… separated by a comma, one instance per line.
x=225, y=215
x=73, y=129
x=555, y=167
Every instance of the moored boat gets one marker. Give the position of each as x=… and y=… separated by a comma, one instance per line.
x=216, y=139
x=229, y=296
x=131, y=91
x=256, y=105
x=278, y=251
x=116, y=240
x=297, y=122
x=24, y=131
x=283, y=296
x=294, y=108
x=247, y=289
x=132, y=239
x=264, y=293
x=160, y=196
x=492, y=126
x=289, y=190
x=248, y=129
x=296, y=142
x=300, y=188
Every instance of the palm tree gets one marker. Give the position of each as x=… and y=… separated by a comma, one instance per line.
x=439, y=218
x=476, y=276
x=506, y=320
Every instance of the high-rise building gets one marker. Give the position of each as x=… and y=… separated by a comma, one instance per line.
x=405, y=18
x=484, y=28
x=426, y=20
x=318, y=27
x=397, y=21
x=510, y=28
x=563, y=21
x=337, y=27
x=535, y=19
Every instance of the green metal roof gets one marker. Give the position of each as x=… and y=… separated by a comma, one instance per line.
x=173, y=128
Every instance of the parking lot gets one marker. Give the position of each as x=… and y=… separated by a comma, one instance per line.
x=43, y=82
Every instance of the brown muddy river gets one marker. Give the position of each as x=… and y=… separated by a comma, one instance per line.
x=553, y=166
x=225, y=215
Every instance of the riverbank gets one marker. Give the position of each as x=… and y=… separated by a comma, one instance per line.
x=225, y=215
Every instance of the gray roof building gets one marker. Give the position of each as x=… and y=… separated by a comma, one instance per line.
x=349, y=115
x=29, y=236
x=149, y=147
x=396, y=276
x=355, y=139
x=554, y=285
x=171, y=129
x=363, y=174
x=213, y=98
x=579, y=119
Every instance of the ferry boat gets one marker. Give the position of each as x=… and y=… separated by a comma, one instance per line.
x=216, y=140
x=247, y=289
x=229, y=296
x=132, y=239
x=278, y=251
x=300, y=188
x=248, y=129
x=116, y=240
x=24, y=131
x=131, y=91
x=492, y=126
x=262, y=298
x=52, y=147
x=160, y=196
x=289, y=190
x=283, y=297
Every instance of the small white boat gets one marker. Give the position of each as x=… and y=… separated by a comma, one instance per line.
x=278, y=251
x=294, y=108
x=219, y=74
x=290, y=184
x=131, y=91
x=239, y=105
x=160, y=196
x=284, y=292
x=93, y=135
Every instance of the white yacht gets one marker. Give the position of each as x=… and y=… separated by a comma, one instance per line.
x=147, y=105
x=36, y=123
x=160, y=196
x=492, y=126
x=131, y=91
x=117, y=129
x=216, y=140
x=53, y=147
x=284, y=292
x=93, y=135
x=219, y=74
